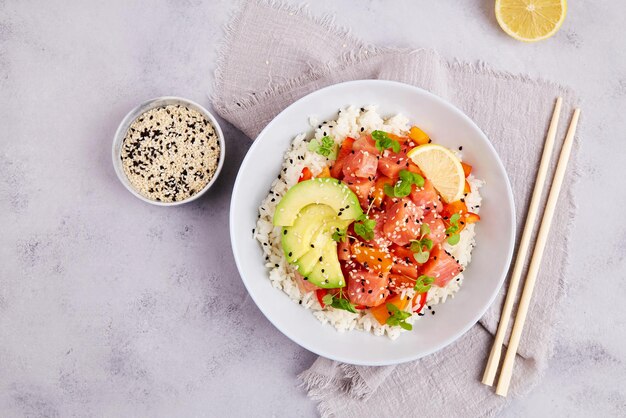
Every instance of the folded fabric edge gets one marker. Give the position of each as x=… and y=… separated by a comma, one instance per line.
x=358, y=387
x=310, y=380
x=326, y=21
x=315, y=384
x=484, y=67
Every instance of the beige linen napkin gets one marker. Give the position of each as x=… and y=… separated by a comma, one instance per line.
x=274, y=55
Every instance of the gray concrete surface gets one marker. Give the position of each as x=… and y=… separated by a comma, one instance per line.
x=112, y=307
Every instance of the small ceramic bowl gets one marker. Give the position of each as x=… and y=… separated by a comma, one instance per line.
x=118, y=140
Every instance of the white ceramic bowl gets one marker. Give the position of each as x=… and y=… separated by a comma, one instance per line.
x=495, y=232
x=118, y=140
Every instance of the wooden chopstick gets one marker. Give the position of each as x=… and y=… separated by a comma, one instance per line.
x=542, y=238
x=496, y=349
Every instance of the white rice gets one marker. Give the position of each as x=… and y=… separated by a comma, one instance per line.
x=353, y=122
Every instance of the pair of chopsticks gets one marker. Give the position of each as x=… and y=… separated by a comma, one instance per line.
x=542, y=237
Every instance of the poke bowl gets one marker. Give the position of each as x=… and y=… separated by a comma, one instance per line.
x=362, y=210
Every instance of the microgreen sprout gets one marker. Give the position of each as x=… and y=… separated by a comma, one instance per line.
x=339, y=235
x=453, y=230
x=383, y=141
x=420, y=254
x=423, y=283
x=402, y=187
x=364, y=227
x=338, y=302
x=325, y=147
x=398, y=317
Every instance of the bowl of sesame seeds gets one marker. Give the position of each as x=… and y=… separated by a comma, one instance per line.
x=168, y=151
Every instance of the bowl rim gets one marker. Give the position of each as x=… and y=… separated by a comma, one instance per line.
x=474, y=318
x=143, y=107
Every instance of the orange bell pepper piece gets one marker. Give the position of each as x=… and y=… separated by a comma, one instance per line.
x=375, y=259
x=420, y=137
x=379, y=190
x=381, y=313
x=324, y=173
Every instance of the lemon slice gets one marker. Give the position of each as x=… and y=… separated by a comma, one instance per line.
x=531, y=20
x=442, y=168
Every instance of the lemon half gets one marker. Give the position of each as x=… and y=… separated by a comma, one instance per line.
x=442, y=168
x=531, y=20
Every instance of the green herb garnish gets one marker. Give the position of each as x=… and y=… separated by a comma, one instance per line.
x=364, y=227
x=327, y=299
x=453, y=239
x=453, y=230
x=420, y=254
x=339, y=235
x=325, y=147
x=402, y=188
x=383, y=141
x=423, y=283
x=338, y=303
x=343, y=304
x=398, y=317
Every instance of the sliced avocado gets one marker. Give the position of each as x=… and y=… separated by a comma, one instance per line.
x=326, y=191
x=327, y=273
x=322, y=239
x=311, y=258
x=296, y=239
